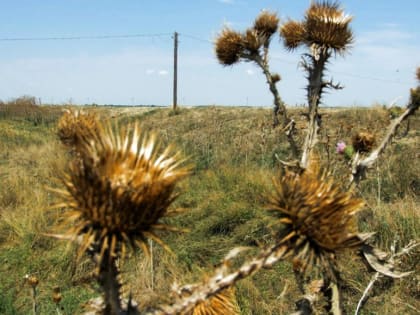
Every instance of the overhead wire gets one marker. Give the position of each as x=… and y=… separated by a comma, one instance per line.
x=154, y=35
x=87, y=37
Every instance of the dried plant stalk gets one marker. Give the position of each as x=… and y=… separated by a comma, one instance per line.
x=361, y=165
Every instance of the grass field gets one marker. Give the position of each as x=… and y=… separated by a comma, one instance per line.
x=235, y=154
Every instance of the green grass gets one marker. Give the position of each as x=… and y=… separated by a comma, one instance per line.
x=234, y=152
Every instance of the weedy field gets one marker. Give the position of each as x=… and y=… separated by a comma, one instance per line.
x=235, y=154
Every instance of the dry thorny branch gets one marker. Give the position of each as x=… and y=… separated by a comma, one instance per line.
x=384, y=266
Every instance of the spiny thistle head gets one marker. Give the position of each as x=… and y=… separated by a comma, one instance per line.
x=317, y=217
x=415, y=97
x=32, y=280
x=266, y=23
x=363, y=141
x=251, y=41
x=118, y=191
x=293, y=34
x=76, y=125
x=415, y=93
x=275, y=77
x=327, y=26
x=223, y=302
x=56, y=295
x=228, y=47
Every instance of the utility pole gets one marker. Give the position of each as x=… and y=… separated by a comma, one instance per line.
x=175, y=70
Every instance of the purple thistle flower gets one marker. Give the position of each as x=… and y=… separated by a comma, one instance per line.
x=341, y=146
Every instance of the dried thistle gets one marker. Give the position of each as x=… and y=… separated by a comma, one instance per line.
x=363, y=141
x=415, y=97
x=293, y=34
x=415, y=93
x=119, y=191
x=252, y=41
x=56, y=295
x=275, y=77
x=318, y=218
x=223, y=302
x=76, y=125
x=228, y=47
x=32, y=280
x=327, y=26
x=266, y=24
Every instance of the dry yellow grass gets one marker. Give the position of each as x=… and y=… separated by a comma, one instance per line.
x=225, y=198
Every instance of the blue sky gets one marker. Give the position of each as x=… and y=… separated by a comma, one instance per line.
x=379, y=68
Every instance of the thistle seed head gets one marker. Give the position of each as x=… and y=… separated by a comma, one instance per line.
x=327, y=26
x=266, y=23
x=32, y=280
x=228, y=47
x=317, y=217
x=252, y=41
x=118, y=191
x=76, y=125
x=363, y=141
x=56, y=295
x=275, y=77
x=293, y=34
x=415, y=97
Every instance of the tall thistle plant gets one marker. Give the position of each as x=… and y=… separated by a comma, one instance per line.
x=253, y=46
x=324, y=32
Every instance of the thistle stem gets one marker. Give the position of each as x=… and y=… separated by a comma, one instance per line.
x=315, y=88
x=108, y=279
x=219, y=281
x=360, y=166
x=34, y=303
x=279, y=106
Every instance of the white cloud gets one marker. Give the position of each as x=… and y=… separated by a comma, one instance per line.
x=163, y=72
x=250, y=72
x=150, y=71
x=390, y=35
x=226, y=1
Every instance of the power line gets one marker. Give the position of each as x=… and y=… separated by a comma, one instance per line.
x=294, y=63
x=365, y=77
x=151, y=35
x=196, y=38
x=15, y=39
x=371, y=78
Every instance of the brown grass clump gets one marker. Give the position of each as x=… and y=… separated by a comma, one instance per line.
x=222, y=303
x=318, y=218
x=327, y=26
x=266, y=23
x=119, y=190
x=293, y=33
x=228, y=47
x=363, y=141
x=76, y=125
